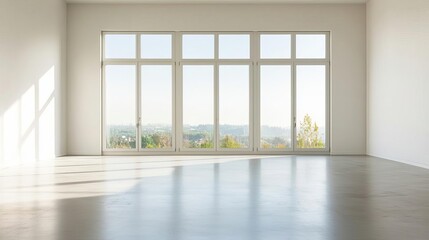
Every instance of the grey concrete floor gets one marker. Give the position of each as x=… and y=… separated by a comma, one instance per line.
x=230, y=197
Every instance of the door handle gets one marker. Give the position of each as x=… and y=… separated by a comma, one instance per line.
x=138, y=122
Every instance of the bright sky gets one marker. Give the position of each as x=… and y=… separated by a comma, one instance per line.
x=234, y=94
x=276, y=95
x=120, y=94
x=310, y=93
x=198, y=94
x=198, y=80
x=156, y=94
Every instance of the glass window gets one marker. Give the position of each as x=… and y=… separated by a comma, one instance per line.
x=311, y=46
x=275, y=46
x=213, y=97
x=311, y=106
x=234, y=46
x=120, y=106
x=120, y=46
x=198, y=46
x=234, y=106
x=156, y=46
x=198, y=106
x=275, y=84
x=156, y=106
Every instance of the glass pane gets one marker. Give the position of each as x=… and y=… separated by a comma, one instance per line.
x=234, y=46
x=198, y=106
x=120, y=106
x=198, y=46
x=156, y=46
x=310, y=106
x=311, y=46
x=156, y=106
x=234, y=106
x=275, y=106
x=275, y=46
x=120, y=46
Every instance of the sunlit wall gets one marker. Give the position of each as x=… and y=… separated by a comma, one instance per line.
x=32, y=80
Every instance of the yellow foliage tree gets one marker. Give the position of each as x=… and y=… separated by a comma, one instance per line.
x=308, y=136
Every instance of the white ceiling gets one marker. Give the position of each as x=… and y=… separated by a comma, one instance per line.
x=216, y=1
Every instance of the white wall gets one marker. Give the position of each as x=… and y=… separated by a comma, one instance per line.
x=398, y=80
x=347, y=23
x=32, y=76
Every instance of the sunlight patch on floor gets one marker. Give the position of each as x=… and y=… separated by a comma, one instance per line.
x=77, y=177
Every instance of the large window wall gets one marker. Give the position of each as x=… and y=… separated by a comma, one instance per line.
x=212, y=92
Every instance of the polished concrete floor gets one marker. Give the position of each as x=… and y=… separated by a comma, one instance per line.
x=239, y=197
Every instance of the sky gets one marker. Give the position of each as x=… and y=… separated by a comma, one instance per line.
x=198, y=94
x=156, y=94
x=198, y=80
x=120, y=87
x=234, y=94
x=275, y=95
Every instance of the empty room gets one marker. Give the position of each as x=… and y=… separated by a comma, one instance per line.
x=214, y=119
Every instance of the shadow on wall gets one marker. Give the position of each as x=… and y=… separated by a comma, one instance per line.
x=27, y=126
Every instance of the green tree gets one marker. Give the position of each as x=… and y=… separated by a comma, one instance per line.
x=279, y=142
x=207, y=144
x=229, y=142
x=156, y=140
x=147, y=141
x=161, y=140
x=198, y=139
x=308, y=136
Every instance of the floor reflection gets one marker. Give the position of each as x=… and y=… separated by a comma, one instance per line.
x=251, y=197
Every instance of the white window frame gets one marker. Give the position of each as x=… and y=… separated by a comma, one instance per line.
x=254, y=63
